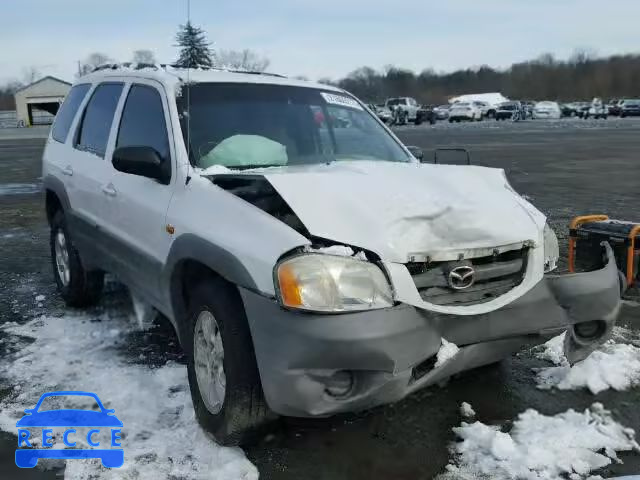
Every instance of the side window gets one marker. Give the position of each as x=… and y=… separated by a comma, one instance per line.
x=93, y=133
x=67, y=112
x=142, y=122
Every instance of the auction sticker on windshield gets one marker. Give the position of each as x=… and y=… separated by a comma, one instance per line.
x=85, y=432
x=340, y=100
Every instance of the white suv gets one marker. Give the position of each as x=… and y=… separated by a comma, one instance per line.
x=407, y=106
x=309, y=263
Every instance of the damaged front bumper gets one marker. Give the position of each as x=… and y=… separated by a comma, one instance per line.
x=317, y=364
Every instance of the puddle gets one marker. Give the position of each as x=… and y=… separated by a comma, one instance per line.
x=19, y=188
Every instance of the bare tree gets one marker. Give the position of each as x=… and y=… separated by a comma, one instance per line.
x=92, y=61
x=242, y=60
x=30, y=74
x=144, y=56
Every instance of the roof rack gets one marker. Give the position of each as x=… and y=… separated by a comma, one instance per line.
x=163, y=66
x=133, y=66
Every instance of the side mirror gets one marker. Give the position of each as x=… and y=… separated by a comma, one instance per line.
x=416, y=152
x=143, y=161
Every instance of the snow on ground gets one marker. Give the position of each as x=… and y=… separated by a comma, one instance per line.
x=614, y=365
x=447, y=351
x=161, y=438
x=466, y=410
x=567, y=445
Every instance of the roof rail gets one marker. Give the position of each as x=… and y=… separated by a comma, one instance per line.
x=163, y=66
x=252, y=72
x=134, y=66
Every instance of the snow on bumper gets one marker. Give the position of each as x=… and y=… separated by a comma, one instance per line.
x=380, y=356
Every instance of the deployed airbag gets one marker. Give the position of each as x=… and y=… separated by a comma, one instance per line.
x=246, y=150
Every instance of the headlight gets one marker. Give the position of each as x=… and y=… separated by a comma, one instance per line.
x=551, y=249
x=329, y=283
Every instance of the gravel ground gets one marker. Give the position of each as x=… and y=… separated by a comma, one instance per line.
x=566, y=168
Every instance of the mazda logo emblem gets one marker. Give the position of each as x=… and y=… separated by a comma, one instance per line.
x=461, y=277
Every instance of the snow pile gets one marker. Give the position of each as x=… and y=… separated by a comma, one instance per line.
x=570, y=444
x=553, y=350
x=160, y=437
x=447, y=351
x=613, y=365
x=467, y=411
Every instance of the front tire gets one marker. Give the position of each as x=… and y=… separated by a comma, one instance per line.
x=223, y=374
x=78, y=286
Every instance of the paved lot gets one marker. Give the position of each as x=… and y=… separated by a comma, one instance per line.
x=565, y=168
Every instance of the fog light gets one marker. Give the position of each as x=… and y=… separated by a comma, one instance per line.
x=589, y=330
x=339, y=384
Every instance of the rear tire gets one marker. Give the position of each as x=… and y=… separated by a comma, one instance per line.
x=78, y=287
x=242, y=413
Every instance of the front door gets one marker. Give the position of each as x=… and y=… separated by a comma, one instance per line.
x=139, y=204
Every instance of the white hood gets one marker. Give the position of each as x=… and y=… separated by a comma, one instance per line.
x=399, y=210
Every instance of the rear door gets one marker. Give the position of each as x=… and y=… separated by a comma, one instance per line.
x=90, y=170
x=139, y=204
x=56, y=161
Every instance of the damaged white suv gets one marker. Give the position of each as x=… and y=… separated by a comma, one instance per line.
x=309, y=263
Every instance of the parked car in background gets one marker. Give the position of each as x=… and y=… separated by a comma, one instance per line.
x=486, y=109
x=597, y=109
x=507, y=110
x=567, y=109
x=528, y=106
x=582, y=109
x=425, y=114
x=615, y=107
x=441, y=112
x=464, y=111
x=381, y=111
x=630, y=108
x=547, y=110
x=408, y=107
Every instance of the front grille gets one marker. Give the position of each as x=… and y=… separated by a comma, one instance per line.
x=494, y=276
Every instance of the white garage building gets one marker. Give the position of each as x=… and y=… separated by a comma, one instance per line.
x=37, y=104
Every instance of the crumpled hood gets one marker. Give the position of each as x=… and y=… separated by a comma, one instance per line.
x=402, y=209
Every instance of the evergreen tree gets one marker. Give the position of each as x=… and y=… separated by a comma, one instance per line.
x=194, y=48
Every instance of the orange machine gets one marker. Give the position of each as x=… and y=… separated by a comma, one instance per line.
x=586, y=233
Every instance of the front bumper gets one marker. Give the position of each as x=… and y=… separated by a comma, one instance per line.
x=389, y=353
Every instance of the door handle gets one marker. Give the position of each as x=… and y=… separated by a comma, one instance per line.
x=67, y=170
x=109, y=190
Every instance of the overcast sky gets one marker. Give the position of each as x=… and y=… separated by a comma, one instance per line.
x=318, y=38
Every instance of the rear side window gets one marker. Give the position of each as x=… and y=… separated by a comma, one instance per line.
x=142, y=122
x=67, y=112
x=93, y=133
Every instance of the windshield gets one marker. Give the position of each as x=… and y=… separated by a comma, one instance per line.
x=460, y=105
x=507, y=106
x=252, y=125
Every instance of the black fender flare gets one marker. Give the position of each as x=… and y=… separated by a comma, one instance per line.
x=191, y=248
x=55, y=185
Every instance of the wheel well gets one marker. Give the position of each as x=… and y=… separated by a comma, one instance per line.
x=186, y=275
x=52, y=205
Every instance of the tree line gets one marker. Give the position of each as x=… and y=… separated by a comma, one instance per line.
x=581, y=77
x=195, y=52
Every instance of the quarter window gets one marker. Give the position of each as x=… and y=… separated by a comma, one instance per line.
x=68, y=111
x=143, y=122
x=93, y=133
